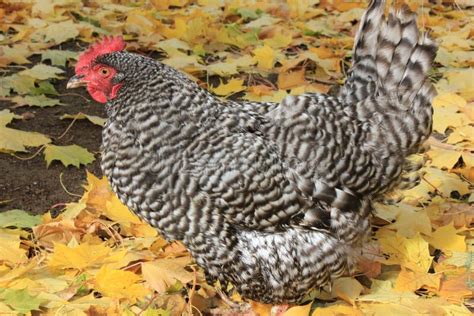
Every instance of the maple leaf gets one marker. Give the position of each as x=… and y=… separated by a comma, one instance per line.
x=18, y=218
x=20, y=300
x=162, y=274
x=68, y=155
x=57, y=32
x=78, y=257
x=58, y=57
x=10, y=250
x=42, y=72
x=264, y=56
x=81, y=116
x=408, y=281
x=12, y=140
x=447, y=238
x=37, y=100
x=119, y=284
x=233, y=86
x=291, y=79
x=412, y=253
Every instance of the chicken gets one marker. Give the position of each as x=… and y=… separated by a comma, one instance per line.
x=274, y=198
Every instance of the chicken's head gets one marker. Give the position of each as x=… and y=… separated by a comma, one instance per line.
x=97, y=77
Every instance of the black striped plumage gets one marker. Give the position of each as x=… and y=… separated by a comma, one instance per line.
x=274, y=198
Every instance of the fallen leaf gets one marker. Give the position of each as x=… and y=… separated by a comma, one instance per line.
x=291, y=79
x=447, y=238
x=68, y=155
x=36, y=100
x=264, y=57
x=42, y=72
x=163, y=273
x=58, y=57
x=231, y=87
x=79, y=257
x=20, y=300
x=119, y=284
x=12, y=140
x=18, y=218
x=10, y=250
x=81, y=116
x=298, y=310
x=412, y=253
x=409, y=281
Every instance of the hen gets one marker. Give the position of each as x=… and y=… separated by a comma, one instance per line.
x=273, y=198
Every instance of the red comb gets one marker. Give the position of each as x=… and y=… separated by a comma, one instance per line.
x=108, y=44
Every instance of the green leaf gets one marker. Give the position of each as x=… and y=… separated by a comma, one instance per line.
x=18, y=218
x=12, y=140
x=58, y=57
x=35, y=100
x=42, y=72
x=6, y=117
x=45, y=87
x=247, y=13
x=22, y=84
x=81, y=116
x=68, y=155
x=57, y=32
x=5, y=86
x=20, y=300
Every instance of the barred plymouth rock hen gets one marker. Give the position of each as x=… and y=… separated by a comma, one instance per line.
x=274, y=198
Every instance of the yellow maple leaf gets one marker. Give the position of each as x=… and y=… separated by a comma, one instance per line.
x=412, y=253
x=411, y=281
x=10, y=250
x=298, y=310
x=444, y=158
x=232, y=86
x=119, y=284
x=458, y=80
x=163, y=273
x=382, y=291
x=291, y=79
x=445, y=117
x=264, y=56
x=447, y=238
x=116, y=211
x=408, y=219
x=449, y=100
x=463, y=133
x=279, y=40
x=79, y=257
x=97, y=192
x=437, y=180
x=337, y=310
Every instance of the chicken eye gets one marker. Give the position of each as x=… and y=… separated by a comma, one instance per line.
x=104, y=72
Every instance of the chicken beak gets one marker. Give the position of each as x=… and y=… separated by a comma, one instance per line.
x=75, y=82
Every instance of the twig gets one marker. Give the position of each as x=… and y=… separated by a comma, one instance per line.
x=30, y=157
x=436, y=143
x=70, y=125
x=64, y=187
x=434, y=187
x=76, y=95
x=192, y=291
x=152, y=299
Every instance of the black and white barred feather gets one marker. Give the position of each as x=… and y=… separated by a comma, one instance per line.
x=274, y=199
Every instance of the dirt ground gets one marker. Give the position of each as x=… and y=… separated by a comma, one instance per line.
x=28, y=184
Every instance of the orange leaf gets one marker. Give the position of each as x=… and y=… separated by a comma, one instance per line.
x=288, y=80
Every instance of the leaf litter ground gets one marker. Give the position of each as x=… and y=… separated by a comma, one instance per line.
x=91, y=256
